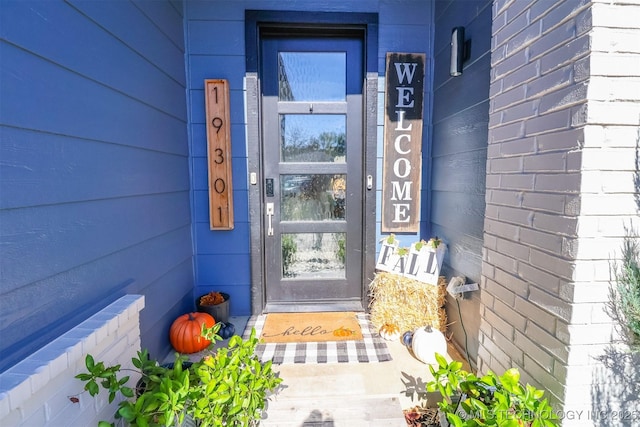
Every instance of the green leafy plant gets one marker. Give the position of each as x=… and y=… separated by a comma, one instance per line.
x=403, y=251
x=490, y=400
x=624, y=294
x=419, y=245
x=227, y=388
x=434, y=242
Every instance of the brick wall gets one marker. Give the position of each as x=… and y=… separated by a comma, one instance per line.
x=37, y=391
x=561, y=166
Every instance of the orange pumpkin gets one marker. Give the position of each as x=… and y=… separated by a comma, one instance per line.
x=343, y=332
x=185, y=332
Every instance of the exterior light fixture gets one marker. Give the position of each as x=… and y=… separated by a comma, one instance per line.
x=460, y=51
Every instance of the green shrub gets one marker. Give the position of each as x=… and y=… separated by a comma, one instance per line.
x=624, y=295
x=490, y=400
x=227, y=388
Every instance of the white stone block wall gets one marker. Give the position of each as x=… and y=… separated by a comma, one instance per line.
x=562, y=177
x=607, y=384
x=38, y=390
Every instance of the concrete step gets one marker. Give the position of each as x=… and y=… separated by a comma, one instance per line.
x=339, y=411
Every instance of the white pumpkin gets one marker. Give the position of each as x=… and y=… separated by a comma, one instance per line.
x=390, y=332
x=426, y=342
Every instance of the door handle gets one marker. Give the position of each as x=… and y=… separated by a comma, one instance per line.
x=270, y=210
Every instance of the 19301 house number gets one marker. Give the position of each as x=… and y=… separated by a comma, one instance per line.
x=219, y=154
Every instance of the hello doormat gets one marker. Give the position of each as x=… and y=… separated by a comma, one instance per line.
x=369, y=349
x=311, y=327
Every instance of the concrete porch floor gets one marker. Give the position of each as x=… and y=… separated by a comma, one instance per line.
x=349, y=395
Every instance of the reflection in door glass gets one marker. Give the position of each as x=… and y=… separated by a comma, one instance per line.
x=312, y=76
x=316, y=197
x=313, y=138
x=313, y=255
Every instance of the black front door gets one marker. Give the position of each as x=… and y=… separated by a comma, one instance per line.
x=312, y=169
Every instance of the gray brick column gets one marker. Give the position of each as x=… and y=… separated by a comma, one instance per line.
x=561, y=164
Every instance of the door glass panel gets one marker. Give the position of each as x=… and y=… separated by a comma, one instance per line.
x=311, y=107
x=313, y=138
x=312, y=76
x=316, y=197
x=313, y=255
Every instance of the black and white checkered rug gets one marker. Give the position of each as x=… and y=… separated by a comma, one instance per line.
x=371, y=349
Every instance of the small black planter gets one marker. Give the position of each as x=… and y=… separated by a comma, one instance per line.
x=220, y=312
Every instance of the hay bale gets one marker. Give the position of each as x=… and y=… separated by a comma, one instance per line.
x=407, y=303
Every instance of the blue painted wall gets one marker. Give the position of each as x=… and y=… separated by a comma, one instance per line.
x=94, y=189
x=104, y=171
x=459, y=153
x=215, y=44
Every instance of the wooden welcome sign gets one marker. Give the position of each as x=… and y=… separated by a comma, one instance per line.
x=404, y=95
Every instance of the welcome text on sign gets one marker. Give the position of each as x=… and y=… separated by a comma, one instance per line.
x=403, y=142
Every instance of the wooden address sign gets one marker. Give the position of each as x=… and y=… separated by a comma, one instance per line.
x=402, y=142
x=219, y=153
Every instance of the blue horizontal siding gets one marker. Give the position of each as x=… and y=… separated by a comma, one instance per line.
x=132, y=269
x=51, y=239
x=68, y=32
x=460, y=132
x=463, y=92
x=406, y=12
x=94, y=196
x=128, y=23
x=465, y=254
x=458, y=168
x=64, y=169
x=220, y=242
x=240, y=206
x=225, y=10
x=216, y=49
x=464, y=131
x=230, y=67
x=32, y=314
x=175, y=297
x=467, y=213
x=167, y=18
x=414, y=38
x=215, y=269
x=460, y=126
x=216, y=37
x=77, y=106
